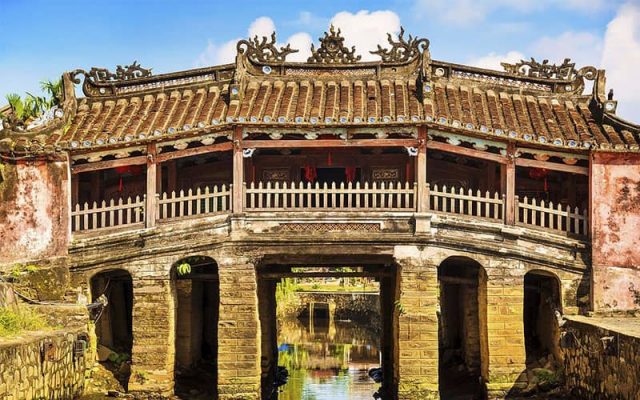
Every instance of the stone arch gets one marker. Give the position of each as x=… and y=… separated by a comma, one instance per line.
x=542, y=307
x=195, y=288
x=113, y=322
x=462, y=327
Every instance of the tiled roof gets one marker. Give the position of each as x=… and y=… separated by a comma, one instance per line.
x=558, y=121
x=407, y=88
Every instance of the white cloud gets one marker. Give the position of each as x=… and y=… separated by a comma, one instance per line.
x=216, y=54
x=618, y=53
x=366, y=30
x=493, y=60
x=262, y=26
x=467, y=12
x=583, y=48
x=621, y=59
x=302, y=42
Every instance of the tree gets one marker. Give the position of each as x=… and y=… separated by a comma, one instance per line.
x=23, y=110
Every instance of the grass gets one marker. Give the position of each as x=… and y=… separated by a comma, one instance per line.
x=13, y=322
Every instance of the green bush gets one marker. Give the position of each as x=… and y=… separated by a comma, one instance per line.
x=13, y=322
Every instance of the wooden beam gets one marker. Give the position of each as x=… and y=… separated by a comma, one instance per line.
x=152, y=176
x=450, y=148
x=212, y=148
x=573, y=169
x=279, y=144
x=238, y=172
x=421, y=171
x=120, y=162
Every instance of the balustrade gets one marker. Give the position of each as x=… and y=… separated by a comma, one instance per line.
x=342, y=197
x=376, y=196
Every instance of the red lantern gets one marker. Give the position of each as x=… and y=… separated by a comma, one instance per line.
x=310, y=173
x=350, y=173
x=540, y=173
x=133, y=170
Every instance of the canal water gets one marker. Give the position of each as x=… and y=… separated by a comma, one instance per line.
x=327, y=360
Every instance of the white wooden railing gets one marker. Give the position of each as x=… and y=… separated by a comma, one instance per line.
x=89, y=217
x=343, y=197
x=200, y=202
x=334, y=197
x=530, y=212
x=458, y=201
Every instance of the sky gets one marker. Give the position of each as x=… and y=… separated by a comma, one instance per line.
x=40, y=39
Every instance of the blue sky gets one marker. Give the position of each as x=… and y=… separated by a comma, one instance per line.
x=41, y=39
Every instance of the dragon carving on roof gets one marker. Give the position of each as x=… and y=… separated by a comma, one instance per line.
x=401, y=50
x=332, y=50
x=264, y=51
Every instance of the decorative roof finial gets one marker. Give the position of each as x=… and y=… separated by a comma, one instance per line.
x=401, y=50
x=126, y=73
x=261, y=51
x=332, y=50
x=534, y=69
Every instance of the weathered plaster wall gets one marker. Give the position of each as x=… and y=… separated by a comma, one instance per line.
x=593, y=373
x=33, y=210
x=24, y=374
x=616, y=238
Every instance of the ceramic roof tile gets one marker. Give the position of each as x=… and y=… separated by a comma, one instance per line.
x=370, y=101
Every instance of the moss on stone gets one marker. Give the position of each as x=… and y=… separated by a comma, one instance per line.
x=15, y=321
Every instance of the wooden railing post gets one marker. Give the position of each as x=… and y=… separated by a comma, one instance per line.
x=421, y=171
x=509, y=172
x=238, y=172
x=150, y=207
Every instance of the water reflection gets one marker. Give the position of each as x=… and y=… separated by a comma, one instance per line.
x=327, y=360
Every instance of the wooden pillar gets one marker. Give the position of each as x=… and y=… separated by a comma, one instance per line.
x=421, y=170
x=75, y=189
x=509, y=179
x=238, y=171
x=152, y=176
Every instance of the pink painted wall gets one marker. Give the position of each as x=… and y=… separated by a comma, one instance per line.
x=33, y=211
x=615, y=191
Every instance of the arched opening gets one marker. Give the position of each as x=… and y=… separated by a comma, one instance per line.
x=113, y=322
x=196, y=341
x=463, y=352
x=541, y=329
x=329, y=327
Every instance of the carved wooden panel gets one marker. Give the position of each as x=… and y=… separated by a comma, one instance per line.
x=276, y=175
x=331, y=227
x=385, y=174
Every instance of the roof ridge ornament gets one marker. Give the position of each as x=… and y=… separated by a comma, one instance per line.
x=332, y=50
x=263, y=51
x=401, y=50
x=126, y=73
x=534, y=69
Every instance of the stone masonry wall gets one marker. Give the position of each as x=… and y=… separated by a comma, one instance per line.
x=593, y=373
x=418, y=325
x=616, y=217
x=33, y=210
x=28, y=373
